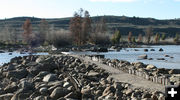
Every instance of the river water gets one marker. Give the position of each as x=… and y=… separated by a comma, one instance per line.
x=129, y=54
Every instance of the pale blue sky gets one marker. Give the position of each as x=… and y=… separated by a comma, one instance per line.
x=160, y=9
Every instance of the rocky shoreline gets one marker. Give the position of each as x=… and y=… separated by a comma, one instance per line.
x=150, y=72
x=64, y=77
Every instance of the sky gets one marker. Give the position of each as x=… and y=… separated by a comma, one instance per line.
x=159, y=9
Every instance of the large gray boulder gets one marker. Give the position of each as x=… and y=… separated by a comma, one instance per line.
x=26, y=86
x=19, y=73
x=59, y=92
x=50, y=77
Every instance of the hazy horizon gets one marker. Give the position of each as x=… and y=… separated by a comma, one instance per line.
x=161, y=9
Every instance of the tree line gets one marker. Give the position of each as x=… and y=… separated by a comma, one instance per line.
x=81, y=31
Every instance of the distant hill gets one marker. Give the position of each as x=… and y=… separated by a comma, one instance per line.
x=125, y=24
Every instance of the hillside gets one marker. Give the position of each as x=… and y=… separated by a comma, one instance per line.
x=124, y=24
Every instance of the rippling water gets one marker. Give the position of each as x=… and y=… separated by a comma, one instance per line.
x=131, y=55
x=5, y=57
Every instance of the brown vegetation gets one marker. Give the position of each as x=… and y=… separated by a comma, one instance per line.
x=27, y=34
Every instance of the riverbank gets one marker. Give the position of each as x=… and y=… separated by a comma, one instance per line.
x=62, y=76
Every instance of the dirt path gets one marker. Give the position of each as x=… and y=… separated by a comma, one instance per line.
x=120, y=76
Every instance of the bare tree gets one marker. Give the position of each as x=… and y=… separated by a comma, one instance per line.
x=157, y=38
x=130, y=37
x=140, y=38
x=7, y=33
x=76, y=27
x=149, y=32
x=86, y=27
x=43, y=31
x=27, y=31
x=99, y=35
x=80, y=27
x=101, y=26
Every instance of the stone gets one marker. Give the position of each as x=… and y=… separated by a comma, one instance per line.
x=26, y=86
x=152, y=50
x=108, y=90
x=161, y=97
x=19, y=73
x=85, y=91
x=93, y=74
x=154, y=97
x=110, y=97
x=72, y=95
x=139, y=65
x=160, y=59
x=102, y=49
x=66, y=85
x=161, y=49
x=7, y=96
x=59, y=92
x=166, y=55
x=117, y=85
x=145, y=50
x=43, y=90
x=128, y=92
x=42, y=74
x=11, y=88
x=50, y=77
x=150, y=67
x=174, y=71
x=40, y=98
x=142, y=56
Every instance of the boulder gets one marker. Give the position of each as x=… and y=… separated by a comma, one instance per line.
x=117, y=85
x=11, y=88
x=143, y=56
x=174, y=71
x=50, y=77
x=160, y=59
x=7, y=96
x=26, y=86
x=150, y=67
x=59, y=92
x=129, y=92
x=42, y=74
x=43, y=90
x=166, y=55
x=66, y=85
x=102, y=49
x=19, y=73
x=152, y=50
x=146, y=95
x=161, y=49
x=145, y=50
x=139, y=65
x=2, y=51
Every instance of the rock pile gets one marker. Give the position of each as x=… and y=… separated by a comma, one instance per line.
x=149, y=72
x=61, y=78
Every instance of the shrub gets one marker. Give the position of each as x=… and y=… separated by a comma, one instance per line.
x=100, y=38
x=116, y=37
x=62, y=38
x=176, y=39
x=163, y=37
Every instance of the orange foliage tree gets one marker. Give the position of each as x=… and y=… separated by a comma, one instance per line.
x=27, y=27
x=130, y=37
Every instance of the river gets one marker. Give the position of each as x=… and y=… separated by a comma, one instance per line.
x=131, y=55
